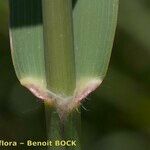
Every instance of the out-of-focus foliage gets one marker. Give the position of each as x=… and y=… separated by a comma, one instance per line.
x=117, y=115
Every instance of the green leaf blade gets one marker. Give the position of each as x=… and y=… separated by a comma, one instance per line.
x=26, y=36
x=59, y=58
x=94, y=30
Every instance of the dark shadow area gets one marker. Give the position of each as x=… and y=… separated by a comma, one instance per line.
x=74, y=2
x=25, y=12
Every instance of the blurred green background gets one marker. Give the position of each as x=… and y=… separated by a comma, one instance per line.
x=117, y=115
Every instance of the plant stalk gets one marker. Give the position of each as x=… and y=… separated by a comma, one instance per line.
x=60, y=71
x=58, y=130
x=59, y=47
